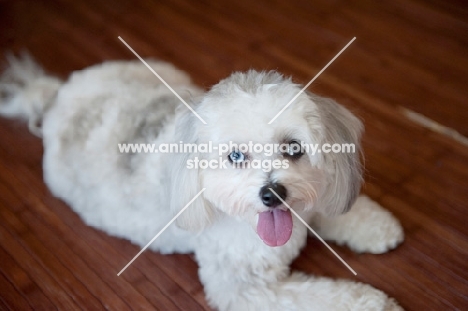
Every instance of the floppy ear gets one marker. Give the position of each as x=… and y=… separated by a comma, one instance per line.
x=185, y=181
x=343, y=170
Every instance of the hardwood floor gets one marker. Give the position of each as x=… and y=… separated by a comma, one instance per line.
x=408, y=54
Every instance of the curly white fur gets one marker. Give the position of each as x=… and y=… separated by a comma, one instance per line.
x=134, y=195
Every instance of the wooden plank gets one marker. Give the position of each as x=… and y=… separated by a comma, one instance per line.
x=28, y=262
x=408, y=53
x=11, y=298
x=24, y=284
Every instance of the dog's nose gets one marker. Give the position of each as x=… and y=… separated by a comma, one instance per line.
x=269, y=198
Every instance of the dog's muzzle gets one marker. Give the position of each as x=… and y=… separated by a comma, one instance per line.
x=269, y=198
x=275, y=225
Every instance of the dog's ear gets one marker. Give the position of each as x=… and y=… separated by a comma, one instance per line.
x=343, y=170
x=186, y=181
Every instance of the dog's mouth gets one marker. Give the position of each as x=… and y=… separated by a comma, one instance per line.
x=275, y=227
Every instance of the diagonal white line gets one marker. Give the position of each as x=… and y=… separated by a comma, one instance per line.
x=310, y=82
x=155, y=73
x=313, y=231
x=162, y=230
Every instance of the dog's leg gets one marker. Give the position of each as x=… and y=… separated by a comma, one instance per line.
x=366, y=228
x=227, y=291
x=239, y=272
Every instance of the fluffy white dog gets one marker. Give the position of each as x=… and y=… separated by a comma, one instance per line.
x=242, y=234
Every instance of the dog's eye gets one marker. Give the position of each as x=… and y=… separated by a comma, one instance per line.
x=236, y=157
x=294, y=150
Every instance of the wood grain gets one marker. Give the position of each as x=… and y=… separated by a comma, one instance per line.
x=408, y=53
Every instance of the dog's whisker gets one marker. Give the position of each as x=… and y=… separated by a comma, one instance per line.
x=311, y=192
x=303, y=181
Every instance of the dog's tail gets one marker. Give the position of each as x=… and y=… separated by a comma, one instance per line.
x=26, y=91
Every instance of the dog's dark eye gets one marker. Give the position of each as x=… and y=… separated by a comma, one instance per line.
x=294, y=150
x=236, y=157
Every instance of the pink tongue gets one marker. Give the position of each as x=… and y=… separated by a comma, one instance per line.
x=275, y=227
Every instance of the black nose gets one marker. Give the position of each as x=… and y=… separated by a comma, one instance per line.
x=269, y=198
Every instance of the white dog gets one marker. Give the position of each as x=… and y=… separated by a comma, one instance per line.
x=244, y=236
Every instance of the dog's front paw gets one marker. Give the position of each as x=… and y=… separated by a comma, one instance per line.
x=371, y=299
x=335, y=295
x=376, y=229
x=366, y=228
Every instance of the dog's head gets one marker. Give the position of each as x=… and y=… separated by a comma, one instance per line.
x=256, y=185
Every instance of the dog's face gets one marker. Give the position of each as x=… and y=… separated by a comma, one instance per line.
x=274, y=170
